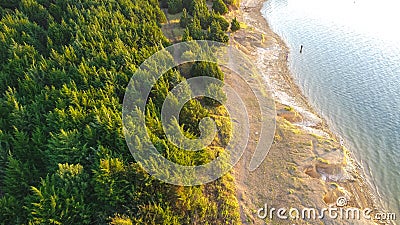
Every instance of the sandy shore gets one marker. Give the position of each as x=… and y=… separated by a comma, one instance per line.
x=306, y=166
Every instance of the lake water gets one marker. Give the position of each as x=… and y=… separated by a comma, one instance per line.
x=350, y=71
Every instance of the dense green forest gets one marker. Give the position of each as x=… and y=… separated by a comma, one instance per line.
x=64, y=67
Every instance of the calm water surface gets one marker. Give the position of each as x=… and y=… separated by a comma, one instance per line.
x=350, y=71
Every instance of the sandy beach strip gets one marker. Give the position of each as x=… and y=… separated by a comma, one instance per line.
x=306, y=166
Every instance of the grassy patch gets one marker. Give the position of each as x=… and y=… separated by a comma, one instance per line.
x=174, y=18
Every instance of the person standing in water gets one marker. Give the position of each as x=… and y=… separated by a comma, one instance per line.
x=301, y=48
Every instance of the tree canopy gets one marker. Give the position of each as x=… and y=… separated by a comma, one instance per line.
x=64, y=67
x=219, y=7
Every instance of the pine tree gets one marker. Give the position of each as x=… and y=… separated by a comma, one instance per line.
x=186, y=35
x=219, y=7
x=186, y=4
x=216, y=91
x=10, y=4
x=195, y=29
x=185, y=20
x=219, y=19
x=199, y=9
x=216, y=33
x=174, y=6
x=120, y=220
x=206, y=69
x=163, y=3
x=61, y=198
x=235, y=25
x=11, y=211
x=36, y=12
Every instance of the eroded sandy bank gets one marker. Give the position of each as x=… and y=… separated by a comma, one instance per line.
x=306, y=166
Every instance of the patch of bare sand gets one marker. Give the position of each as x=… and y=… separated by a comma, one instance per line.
x=306, y=166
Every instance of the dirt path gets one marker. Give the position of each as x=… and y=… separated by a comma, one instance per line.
x=240, y=169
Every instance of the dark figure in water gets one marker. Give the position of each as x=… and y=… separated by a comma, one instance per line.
x=301, y=48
